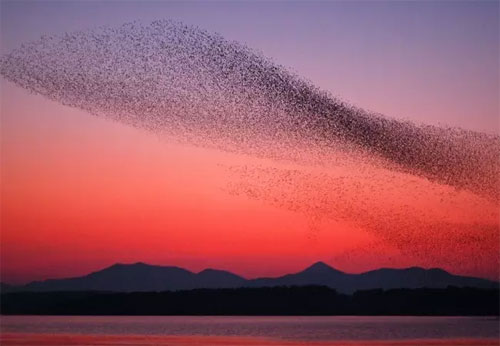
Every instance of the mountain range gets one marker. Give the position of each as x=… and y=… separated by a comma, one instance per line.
x=145, y=277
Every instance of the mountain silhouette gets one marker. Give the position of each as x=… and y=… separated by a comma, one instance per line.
x=140, y=277
x=317, y=274
x=384, y=278
x=144, y=277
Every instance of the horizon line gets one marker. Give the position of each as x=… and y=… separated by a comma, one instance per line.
x=244, y=277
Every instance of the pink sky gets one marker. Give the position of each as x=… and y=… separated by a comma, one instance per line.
x=80, y=193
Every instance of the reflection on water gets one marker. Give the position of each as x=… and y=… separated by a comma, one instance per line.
x=235, y=330
x=94, y=340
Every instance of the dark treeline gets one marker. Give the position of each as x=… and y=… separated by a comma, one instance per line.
x=306, y=300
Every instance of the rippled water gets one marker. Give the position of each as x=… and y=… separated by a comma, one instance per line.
x=330, y=328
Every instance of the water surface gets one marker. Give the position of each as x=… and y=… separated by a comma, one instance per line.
x=236, y=330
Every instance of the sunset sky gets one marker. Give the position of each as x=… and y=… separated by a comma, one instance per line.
x=79, y=193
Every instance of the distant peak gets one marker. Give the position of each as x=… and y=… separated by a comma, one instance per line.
x=321, y=267
x=206, y=271
x=320, y=264
x=129, y=264
x=215, y=271
x=438, y=270
x=210, y=270
x=141, y=264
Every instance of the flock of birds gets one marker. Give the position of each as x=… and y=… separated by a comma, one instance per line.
x=196, y=87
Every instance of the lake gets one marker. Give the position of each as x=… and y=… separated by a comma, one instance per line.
x=239, y=330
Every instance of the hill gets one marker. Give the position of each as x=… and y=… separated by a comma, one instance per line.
x=141, y=277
